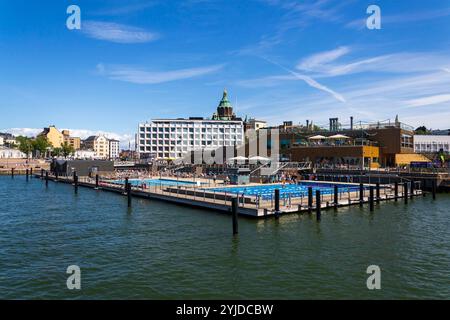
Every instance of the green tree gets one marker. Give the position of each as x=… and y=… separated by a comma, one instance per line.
x=421, y=130
x=57, y=152
x=41, y=144
x=67, y=149
x=25, y=144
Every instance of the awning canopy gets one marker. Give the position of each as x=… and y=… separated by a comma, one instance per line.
x=338, y=136
x=239, y=158
x=259, y=158
x=317, y=137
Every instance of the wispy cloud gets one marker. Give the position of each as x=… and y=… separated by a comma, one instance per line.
x=295, y=16
x=318, y=59
x=310, y=81
x=430, y=100
x=140, y=76
x=324, y=64
x=118, y=33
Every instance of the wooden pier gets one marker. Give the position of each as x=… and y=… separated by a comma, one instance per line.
x=251, y=206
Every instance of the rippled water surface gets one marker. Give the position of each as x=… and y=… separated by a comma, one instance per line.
x=163, y=251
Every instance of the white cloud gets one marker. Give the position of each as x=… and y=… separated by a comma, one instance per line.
x=316, y=60
x=321, y=64
x=430, y=100
x=115, y=32
x=152, y=77
x=313, y=83
x=310, y=81
x=125, y=139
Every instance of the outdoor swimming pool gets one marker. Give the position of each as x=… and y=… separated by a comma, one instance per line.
x=156, y=182
x=293, y=190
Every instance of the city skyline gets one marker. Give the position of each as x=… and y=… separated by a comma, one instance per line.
x=292, y=60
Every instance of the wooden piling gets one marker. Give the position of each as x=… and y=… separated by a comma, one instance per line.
x=42, y=174
x=128, y=188
x=361, y=194
x=75, y=182
x=396, y=191
x=46, y=178
x=234, y=214
x=405, y=192
x=412, y=190
x=318, y=206
x=277, y=203
x=310, y=199
x=12, y=173
x=96, y=182
x=336, y=198
x=27, y=173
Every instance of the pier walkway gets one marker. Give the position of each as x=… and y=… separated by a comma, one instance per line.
x=251, y=206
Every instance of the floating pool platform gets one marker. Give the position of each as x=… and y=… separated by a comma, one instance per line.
x=254, y=200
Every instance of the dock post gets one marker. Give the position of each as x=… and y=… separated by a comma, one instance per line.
x=277, y=203
x=126, y=184
x=56, y=176
x=310, y=199
x=46, y=178
x=31, y=172
x=96, y=182
x=371, y=198
x=433, y=188
x=318, y=206
x=75, y=182
x=234, y=214
x=412, y=190
x=361, y=194
x=42, y=174
x=12, y=173
x=27, y=174
x=336, y=196
x=396, y=191
x=378, y=192
x=405, y=192
x=128, y=188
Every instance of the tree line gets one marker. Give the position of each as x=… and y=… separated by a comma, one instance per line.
x=41, y=147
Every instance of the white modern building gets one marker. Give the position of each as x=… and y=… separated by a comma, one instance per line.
x=7, y=153
x=2, y=141
x=114, y=149
x=84, y=154
x=431, y=143
x=172, y=138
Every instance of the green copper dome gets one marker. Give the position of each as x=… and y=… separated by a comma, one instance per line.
x=225, y=109
x=224, y=102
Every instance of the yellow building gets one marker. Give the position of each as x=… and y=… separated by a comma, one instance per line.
x=57, y=139
x=54, y=137
x=75, y=142
x=99, y=144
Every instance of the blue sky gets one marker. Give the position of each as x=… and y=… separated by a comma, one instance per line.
x=279, y=60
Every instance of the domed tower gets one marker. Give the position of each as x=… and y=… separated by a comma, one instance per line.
x=225, y=109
